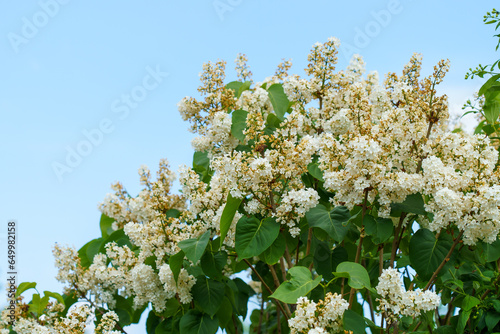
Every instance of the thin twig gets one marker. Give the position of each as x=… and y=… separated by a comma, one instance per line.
x=380, y=259
x=265, y=285
x=235, y=324
x=451, y=310
x=285, y=308
x=283, y=269
x=396, y=238
x=309, y=240
x=258, y=276
x=259, y=327
x=370, y=303
x=446, y=259
x=360, y=244
x=297, y=253
x=278, y=321
x=485, y=294
x=288, y=258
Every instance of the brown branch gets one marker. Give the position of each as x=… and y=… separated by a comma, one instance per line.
x=271, y=199
x=451, y=310
x=309, y=240
x=360, y=245
x=258, y=276
x=278, y=321
x=285, y=307
x=429, y=129
x=288, y=258
x=275, y=276
x=259, y=327
x=370, y=303
x=265, y=285
x=380, y=259
x=235, y=324
x=485, y=294
x=395, y=244
x=283, y=269
x=297, y=253
x=361, y=237
x=446, y=259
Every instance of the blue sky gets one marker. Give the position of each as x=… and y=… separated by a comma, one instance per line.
x=67, y=67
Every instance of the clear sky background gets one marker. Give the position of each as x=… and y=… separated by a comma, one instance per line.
x=66, y=68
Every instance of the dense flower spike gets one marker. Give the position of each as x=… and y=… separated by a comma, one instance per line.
x=394, y=301
x=322, y=317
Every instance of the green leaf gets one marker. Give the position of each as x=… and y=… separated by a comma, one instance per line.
x=491, y=111
x=55, y=295
x=23, y=287
x=93, y=249
x=171, y=307
x=239, y=124
x=403, y=261
x=117, y=236
x=323, y=260
x=82, y=255
x=354, y=322
x=175, y=262
x=462, y=321
x=380, y=229
x=194, y=248
x=492, y=319
x=488, y=129
x=358, y=276
x=273, y=254
x=201, y=159
x=209, y=294
x=444, y=330
x=332, y=222
x=279, y=100
x=273, y=121
x=490, y=82
x=105, y=225
x=339, y=255
x=492, y=251
x=254, y=236
x=165, y=327
x=36, y=304
x=124, y=310
x=173, y=213
x=427, y=252
x=152, y=322
x=213, y=264
x=238, y=87
x=413, y=203
x=496, y=305
x=195, y=322
x=137, y=313
x=243, y=293
x=469, y=302
x=234, y=85
x=69, y=300
x=315, y=171
x=201, y=165
x=225, y=313
x=227, y=217
x=479, y=127
x=300, y=284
